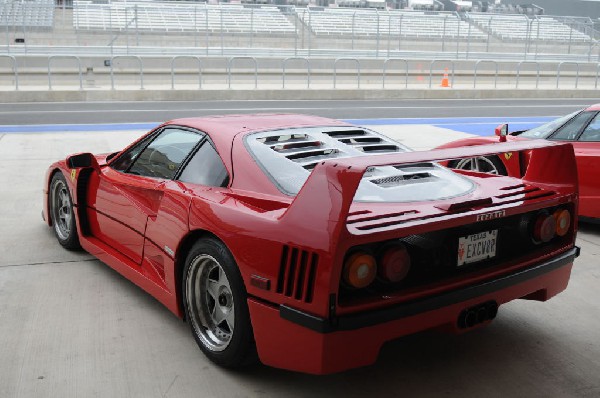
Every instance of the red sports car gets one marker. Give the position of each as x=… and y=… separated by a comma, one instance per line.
x=309, y=242
x=581, y=129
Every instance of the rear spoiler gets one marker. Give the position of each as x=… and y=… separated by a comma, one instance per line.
x=327, y=194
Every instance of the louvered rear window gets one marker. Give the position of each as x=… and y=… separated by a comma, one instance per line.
x=288, y=156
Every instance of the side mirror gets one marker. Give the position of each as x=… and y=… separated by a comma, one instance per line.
x=82, y=161
x=502, y=132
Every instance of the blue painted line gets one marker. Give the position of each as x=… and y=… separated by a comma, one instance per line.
x=473, y=125
x=486, y=128
x=453, y=120
x=481, y=126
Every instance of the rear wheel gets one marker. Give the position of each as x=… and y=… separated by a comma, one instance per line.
x=215, y=305
x=63, y=216
x=482, y=164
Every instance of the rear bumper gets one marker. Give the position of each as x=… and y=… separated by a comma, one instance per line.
x=291, y=339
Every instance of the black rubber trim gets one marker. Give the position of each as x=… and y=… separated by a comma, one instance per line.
x=371, y=318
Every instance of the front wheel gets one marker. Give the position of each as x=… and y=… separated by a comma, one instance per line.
x=482, y=164
x=63, y=216
x=215, y=305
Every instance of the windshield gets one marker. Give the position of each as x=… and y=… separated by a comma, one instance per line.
x=545, y=130
x=289, y=156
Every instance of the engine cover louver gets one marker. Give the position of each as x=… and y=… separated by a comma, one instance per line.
x=297, y=273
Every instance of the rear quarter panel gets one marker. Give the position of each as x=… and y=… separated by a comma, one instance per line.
x=587, y=155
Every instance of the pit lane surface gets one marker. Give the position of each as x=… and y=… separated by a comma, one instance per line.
x=72, y=327
x=154, y=112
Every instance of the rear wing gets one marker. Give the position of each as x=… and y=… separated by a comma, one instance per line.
x=324, y=201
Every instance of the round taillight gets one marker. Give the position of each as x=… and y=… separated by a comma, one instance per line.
x=563, y=221
x=394, y=264
x=544, y=228
x=360, y=270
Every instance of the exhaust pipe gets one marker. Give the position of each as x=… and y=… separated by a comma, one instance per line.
x=478, y=314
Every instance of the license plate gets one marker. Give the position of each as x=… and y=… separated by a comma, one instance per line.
x=477, y=247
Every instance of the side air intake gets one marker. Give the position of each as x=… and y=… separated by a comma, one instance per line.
x=297, y=273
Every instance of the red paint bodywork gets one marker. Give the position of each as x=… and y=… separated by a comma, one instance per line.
x=143, y=227
x=587, y=156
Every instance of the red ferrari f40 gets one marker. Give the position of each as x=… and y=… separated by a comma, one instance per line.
x=308, y=242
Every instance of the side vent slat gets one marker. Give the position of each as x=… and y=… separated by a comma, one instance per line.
x=291, y=273
x=300, y=276
x=297, y=273
x=282, y=268
x=312, y=274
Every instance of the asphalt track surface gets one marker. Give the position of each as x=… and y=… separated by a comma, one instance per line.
x=155, y=112
x=72, y=327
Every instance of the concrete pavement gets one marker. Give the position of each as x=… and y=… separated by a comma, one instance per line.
x=72, y=327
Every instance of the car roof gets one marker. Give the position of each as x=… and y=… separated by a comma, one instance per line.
x=595, y=107
x=228, y=126
x=223, y=128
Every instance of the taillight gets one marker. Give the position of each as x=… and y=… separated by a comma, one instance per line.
x=563, y=221
x=394, y=264
x=544, y=228
x=360, y=270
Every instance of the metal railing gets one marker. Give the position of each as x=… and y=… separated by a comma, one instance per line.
x=15, y=71
x=112, y=69
x=495, y=72
x=121, y=71
x=385, y=69
x=445, y=61
x=537, y=77
x=353, y=60
x=230, y=63
x=285, y=61
x=55, y=57
x=186, y=57
x=558, y=72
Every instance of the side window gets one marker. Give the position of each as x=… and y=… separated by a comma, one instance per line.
x=592, y=131
x=205, y=168
x=126, y=159
x=569, y=131
x=163, y=157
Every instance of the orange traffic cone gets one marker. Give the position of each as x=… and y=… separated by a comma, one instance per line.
x=445, y=82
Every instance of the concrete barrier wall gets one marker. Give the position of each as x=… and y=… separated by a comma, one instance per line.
x=132, y=77
x=292, y=94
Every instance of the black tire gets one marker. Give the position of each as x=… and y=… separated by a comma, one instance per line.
x=218, y=315
x=60, y=205
x=484, y=164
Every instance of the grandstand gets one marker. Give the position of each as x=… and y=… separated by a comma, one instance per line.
x=180, y=17
x=27, y=13
x=366, y=22
x=520, y=27
x=173, y=27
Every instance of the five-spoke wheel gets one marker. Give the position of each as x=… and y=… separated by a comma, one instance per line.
x=61, y=212
x=215, y=304
x=482, y=164
x=212, y=310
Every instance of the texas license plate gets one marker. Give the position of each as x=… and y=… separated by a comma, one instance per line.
x=477, y=247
